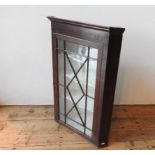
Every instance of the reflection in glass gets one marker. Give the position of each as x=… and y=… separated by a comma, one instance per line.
x=77, y=49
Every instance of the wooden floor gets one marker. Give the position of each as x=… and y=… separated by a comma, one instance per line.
x=33, y=127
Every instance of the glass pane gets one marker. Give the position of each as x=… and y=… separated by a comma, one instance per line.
x=81, y=105
x=73, y=113
x=78, y=67
x=93, y=53
x=75, y=90
x=90, y=110
x=61, y=44
x=61, y=100
x=81, y=108
x=92, y=77
x=62, y=117
x=69, y=103
x=88, y=132
x=74, y=124
x=82, y=76
x=61, y=66
x=78, y=113
x=76, y=61
x=78, y=50
x=69, y=72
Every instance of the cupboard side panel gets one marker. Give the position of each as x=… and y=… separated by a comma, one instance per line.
x=114, y=49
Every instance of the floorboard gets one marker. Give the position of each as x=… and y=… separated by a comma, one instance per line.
x=34, y=128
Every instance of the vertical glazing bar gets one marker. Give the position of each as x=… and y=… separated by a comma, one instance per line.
x=86, y=90
x=64, y=44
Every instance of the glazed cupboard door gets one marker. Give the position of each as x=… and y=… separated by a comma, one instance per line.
x=77, y=67
x=85, y=64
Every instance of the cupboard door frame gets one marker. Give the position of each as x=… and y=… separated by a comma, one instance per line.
x=98, y=72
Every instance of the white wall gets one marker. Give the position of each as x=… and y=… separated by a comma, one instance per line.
x=25, y=51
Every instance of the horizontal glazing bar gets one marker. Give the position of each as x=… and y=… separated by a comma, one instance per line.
x=76, y=54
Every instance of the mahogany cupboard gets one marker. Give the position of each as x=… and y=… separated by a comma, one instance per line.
x=85, y=65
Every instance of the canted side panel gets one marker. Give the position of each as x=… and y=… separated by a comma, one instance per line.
x=109, y=88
